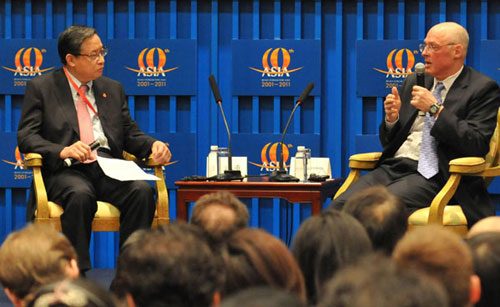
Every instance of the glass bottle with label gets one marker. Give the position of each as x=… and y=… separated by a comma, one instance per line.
x=213, y=161
x=302, y=158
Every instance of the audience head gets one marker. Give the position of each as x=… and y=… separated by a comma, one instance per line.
x=383, y=215
x=72, y=293
x=444, y=256
x=253, y=257
x=378, y=282
x=488, y=224
x=263, y=296
x=485, y=249
x=169, y=266
x=34, y=256
x=219, y=214
x=325, y=243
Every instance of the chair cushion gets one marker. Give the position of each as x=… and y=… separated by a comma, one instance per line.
x=104, y=210
x=452, y=216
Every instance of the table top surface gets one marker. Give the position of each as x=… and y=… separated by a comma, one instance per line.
x=263, y=184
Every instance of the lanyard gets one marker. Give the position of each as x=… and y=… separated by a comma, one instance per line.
x=82, y=94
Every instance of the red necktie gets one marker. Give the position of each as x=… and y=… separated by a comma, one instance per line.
x=85, y=123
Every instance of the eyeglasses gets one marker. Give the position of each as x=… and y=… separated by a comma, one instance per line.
x=432, y=48
x=94, y=56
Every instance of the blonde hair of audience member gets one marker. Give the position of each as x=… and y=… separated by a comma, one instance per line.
x=491, y=223
x=443, y=255
x=34, y=256
x=219, y=214
x=253, y=257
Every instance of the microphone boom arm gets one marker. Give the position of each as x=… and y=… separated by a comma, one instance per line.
x=229, y=154
x=284, y=133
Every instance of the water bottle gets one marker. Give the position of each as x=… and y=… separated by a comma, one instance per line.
x=306, y=162
x=213, y=161
x=301, y=163
x=222, y=160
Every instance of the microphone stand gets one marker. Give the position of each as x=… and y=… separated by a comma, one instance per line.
x=280, y=175
x=229, y=174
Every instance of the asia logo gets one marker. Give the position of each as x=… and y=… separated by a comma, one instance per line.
x=399, y=65
x=150, y=69
x=275, y=70
x=20, y=172
x=273, y=161
x=28, y=63
x=276, y=67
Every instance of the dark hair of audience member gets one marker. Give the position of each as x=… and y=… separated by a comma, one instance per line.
x=219, y=214
x=169, y=266
x=253, y=257
x=377, y=282
x=440, y=254
x=485, y=249
x=262, y=296
x=383, y=215
x=325, y=243
x=72, y=293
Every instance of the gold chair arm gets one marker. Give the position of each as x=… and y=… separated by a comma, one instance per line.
x=364, y=161
x=34, y=161
x=357, y=163
x=162, y=206
x=468, y=166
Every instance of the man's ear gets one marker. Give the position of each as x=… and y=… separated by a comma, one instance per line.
x=216, y=300
x=130, y=300
x=475, y=289
x=459, y=51
x=17, y=302
x=72, y=270
x=70, y=60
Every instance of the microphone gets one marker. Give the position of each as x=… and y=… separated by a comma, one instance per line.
x=280, y=175
x=229, y=174
x=420, y=72
x=100, y=141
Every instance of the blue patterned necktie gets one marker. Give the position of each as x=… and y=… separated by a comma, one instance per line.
x=428, y=164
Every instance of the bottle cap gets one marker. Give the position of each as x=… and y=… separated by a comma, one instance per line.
x=214, y=147
x=301, y=148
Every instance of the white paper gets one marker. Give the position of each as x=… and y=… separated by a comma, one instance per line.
x=318, y=166
x=239, y=164
x=123, y=170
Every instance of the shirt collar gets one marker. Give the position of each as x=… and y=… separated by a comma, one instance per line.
x=448, y=82
x=77, y=82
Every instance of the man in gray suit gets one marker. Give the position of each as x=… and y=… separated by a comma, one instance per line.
x=453, y=116
x=62, y=113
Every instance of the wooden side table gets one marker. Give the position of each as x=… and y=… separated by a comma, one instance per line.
x=314, y=193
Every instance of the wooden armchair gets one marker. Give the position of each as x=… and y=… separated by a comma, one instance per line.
x=450, y=216
x=107, y=217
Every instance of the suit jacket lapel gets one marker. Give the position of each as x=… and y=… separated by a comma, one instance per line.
x=64, y=99
x=456, y=91
x=103, y=109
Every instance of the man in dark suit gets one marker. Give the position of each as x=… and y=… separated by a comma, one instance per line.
x=453, y=116
x=63, y=112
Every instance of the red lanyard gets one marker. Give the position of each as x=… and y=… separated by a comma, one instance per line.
x=82, y=94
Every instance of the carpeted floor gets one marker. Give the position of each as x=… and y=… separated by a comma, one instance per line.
x=101, y=276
